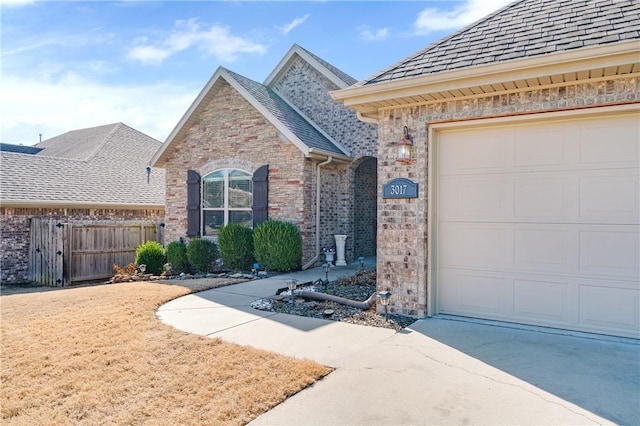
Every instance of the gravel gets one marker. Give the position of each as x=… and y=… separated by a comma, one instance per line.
x=358, y=288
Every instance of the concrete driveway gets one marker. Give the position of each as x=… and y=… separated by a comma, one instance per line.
x=444, y=370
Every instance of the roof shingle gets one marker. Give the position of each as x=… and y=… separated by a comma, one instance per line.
x=523, y=29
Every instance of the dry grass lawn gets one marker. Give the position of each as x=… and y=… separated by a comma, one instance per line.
x=98, y=355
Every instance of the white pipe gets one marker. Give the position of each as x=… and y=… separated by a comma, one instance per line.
x=317, y=255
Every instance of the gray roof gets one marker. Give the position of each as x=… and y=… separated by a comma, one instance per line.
x=77, y=144
x=22, y=149
x=523, y=29
x=107, y=167
x=336, y=71
x=287, y=115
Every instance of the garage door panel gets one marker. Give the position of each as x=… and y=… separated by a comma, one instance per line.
x=475, y=198
x=616, y=140
x=609, y=309
x=610, y=252
x=485, y=152
x=544, y=249
x=545, y=197
x=479, y=245
x=611, y=196
x=553, y=145
x=476, y=292
x=542, y=301
x=540, y=223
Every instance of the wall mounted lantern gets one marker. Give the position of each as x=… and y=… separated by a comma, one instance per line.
x=404, y=147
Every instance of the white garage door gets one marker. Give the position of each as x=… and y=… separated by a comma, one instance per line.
x=540, y=223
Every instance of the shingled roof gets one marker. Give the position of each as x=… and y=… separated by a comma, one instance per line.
x=523, y=29
x=100, y=167
x=288, y=116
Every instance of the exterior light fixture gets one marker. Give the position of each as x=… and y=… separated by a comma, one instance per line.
x=326, y=268
x=291, y=285
x=404, y=147
x=361, y=260
x=384, y=299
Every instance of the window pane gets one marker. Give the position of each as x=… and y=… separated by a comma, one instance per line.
x=240, y=189
x=212, y=221
x=213, y=190
x=242, y=218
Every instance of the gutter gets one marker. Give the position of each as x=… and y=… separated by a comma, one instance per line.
x=78, y=205
x=317, y=255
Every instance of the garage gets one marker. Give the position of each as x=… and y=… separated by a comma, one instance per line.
x=538, y=221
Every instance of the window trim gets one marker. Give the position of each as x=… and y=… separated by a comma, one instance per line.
x=226, y=199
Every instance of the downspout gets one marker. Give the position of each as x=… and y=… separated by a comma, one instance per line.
x=317, y=255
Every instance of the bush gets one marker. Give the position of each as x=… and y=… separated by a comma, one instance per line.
x=277, y=246
x=201, y=254
x=177, y=256
x=236, y=246
x=151, y=254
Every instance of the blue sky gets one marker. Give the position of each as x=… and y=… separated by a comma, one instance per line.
x=74, y=64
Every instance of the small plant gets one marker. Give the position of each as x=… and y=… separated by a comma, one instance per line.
x=151, y=254
x=177, y=257
x=277, y=246
x=130, y=269
x=202, y=254
x=236, y=246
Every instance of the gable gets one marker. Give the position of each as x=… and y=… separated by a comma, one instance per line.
x=289, y=121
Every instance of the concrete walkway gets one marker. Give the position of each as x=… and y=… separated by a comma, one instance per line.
x=444, y=370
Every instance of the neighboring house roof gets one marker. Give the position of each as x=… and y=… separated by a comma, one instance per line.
x=21, y=149
x=78, y=144
x=100, y=167
x=527, y=43
x=290, y=121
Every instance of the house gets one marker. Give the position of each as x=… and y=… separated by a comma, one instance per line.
x=83, y=177
x=524, y=145
x=283, y=149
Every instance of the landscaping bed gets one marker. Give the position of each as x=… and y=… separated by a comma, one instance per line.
x=357, y=288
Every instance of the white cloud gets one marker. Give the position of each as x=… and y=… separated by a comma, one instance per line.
x=369, y=35
x=216, y=41
x=29, y=107
x=16, y=3
x=464, y=13
x=293, y=24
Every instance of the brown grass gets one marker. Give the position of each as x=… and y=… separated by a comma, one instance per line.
x=98, y=355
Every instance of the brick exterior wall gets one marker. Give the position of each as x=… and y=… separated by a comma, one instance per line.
x=308, y=90
x=15, y=232
x=230, y=132
x=402, y=223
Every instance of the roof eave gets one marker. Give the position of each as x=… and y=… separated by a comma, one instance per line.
x=22, y=203
x=361, y=98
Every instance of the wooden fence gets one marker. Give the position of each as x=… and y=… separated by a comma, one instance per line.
x=65, y=253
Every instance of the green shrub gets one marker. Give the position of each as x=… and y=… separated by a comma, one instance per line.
x=277, y=246
x=236, y=246
x=202, y=254
x=177, y=256
x=151, y=254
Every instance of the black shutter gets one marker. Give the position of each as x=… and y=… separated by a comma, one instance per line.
x=193, y=203
x=260, y=195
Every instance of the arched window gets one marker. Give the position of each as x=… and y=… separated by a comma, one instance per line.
x=227, y=197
